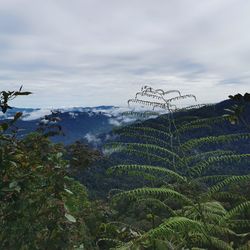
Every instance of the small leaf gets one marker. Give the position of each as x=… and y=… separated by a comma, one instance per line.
x=70, y=218
x=18, y=189
x=22, y=93
x=68, y=191
x=13, y=184
x=17, y=116
x=59, y=155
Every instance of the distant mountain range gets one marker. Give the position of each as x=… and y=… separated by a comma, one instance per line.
x=93, y=125
x=77, y=123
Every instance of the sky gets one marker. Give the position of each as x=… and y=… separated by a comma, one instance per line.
x=96, y=52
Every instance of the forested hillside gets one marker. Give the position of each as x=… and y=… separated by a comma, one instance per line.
x=178, y=181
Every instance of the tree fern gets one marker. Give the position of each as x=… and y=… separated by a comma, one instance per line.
x=198, y=220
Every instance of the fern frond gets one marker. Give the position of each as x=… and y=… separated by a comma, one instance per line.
x=141, y=146
x=175, y=225
x=224, y=159
x=194, y=143
x=228, y=181
x=155, y=132
x=187, y=128
x=211, y=178
x=205, y=121
x=147, y=168
x=154, y=192
x=239, y=224
x=181, y=97
x=193, y=107
x=157, y=125
x=146, y=138
x=210, y=242
x=148, y=103
x=158, y=203
x=153, y=157
x=197, y=124
x=204, y=155
x=143, y=114
x=155, y=96
x=170, y=92
x=145, y=176
x=245, y=206
x=228, y=196
x=211, y=211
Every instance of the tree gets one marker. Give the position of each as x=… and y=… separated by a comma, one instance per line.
x=205, y=207
x=41, y=207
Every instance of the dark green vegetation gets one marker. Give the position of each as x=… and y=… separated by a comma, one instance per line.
x=180, y=181
x=41, y=207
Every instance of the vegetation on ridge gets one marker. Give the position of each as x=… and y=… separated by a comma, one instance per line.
x=177, y=181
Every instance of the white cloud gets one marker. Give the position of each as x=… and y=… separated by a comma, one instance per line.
x=91, y=138
x=114, y=122
x=35, y=114
x=94, y=52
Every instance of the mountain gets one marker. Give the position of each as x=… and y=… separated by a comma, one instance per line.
x=77, y=123
x=94, y=124
x=96, y=179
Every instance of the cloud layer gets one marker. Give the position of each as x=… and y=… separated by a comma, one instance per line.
x=94, y=52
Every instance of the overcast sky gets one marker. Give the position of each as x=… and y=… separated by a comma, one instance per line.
x=100, y=52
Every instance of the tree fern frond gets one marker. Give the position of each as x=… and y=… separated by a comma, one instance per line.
x=237, y=210
x=211, y=178
x=194, y=143
x=145, y=176
x=175, y=225
x=141, y=146
x=224, y=159
x=153, y=157
x=154, y=192
x=208, y=121
x=155, y=132
x=143, y=114
x=210, y=242
x=203, y=155
x=155, y=96
x=158, y=203
x=146, y=138
x=197, y=124
x=152, y=169
x=181, y=97
x=187, y=128
x=228, y=181
x=228, y=196
x=148, y=103
x=211, y=211
x=193, y=107
x=239, y=224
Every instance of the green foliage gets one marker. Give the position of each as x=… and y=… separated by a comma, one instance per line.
x=40, y=206
x=205, y=206
x=7, y=96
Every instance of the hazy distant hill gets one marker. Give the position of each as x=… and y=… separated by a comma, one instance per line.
x=77, y=123
x=94, y=124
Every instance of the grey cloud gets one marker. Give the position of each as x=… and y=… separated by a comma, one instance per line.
x=94, y=52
